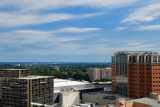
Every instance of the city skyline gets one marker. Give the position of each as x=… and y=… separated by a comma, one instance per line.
x=76, y=31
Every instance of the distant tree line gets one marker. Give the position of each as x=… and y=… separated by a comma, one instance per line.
x=76, y=71
x=102, y=80
x=77, y=75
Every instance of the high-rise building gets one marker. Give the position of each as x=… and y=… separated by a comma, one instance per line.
x=99, y=73
x=19, y=89
x=135, y=74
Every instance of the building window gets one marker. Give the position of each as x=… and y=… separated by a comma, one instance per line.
x=146, y=58
x=140, y=59
x=149, y=58
x=158, y=58
x=134, y=58
x=113, y=59
x=154, y=58
x=130, y=59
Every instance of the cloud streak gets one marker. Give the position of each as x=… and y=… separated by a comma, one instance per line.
x=12, y=20
x=149, y=27
x=34, y=5
x=144, y=14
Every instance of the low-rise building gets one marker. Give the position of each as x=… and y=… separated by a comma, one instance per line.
x=84, y=105
x=99, y=98
x=102, y=84
x=88, y=105
x=152, y=101
x=61, y=85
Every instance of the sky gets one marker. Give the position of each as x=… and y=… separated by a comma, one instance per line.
x=76, y=30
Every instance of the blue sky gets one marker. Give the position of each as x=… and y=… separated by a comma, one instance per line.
x=76, y=30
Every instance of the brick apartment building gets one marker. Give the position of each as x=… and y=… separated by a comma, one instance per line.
x=135, y=74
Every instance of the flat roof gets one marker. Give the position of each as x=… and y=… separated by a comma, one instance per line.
x=62, y=82
x=13, y=69
x=136, y=52
x=35, y=77
x=148, y=101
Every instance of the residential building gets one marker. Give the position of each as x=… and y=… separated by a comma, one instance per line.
x=99, y=73
x=56, y=68
x=135, y=73
x=101, y=98
x=19, y=89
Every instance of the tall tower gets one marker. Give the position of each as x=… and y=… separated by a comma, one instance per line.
x=136, y=73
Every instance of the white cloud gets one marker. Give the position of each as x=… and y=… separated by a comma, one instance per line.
x=121, y=28
x=43, y=39
x=13, y=19
x=149, y=27
x=30, y=42
x=30, y=5
x=144, y=14
x=75, y=30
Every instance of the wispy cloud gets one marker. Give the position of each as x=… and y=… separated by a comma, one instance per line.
x=30, y=5
x=33, y=36
x=149, y=27
x=121, y=28
x=75, y=30
x=13, y=19
x=144, y=14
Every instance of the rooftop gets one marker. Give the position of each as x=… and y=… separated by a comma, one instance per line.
x=62, y=82
x=152, y=101
x=136, y=52
x=35, y=77
x=12, y=69
x=148, y=101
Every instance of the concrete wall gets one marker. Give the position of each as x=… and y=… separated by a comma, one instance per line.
x=68, y=98
x=96, y=98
